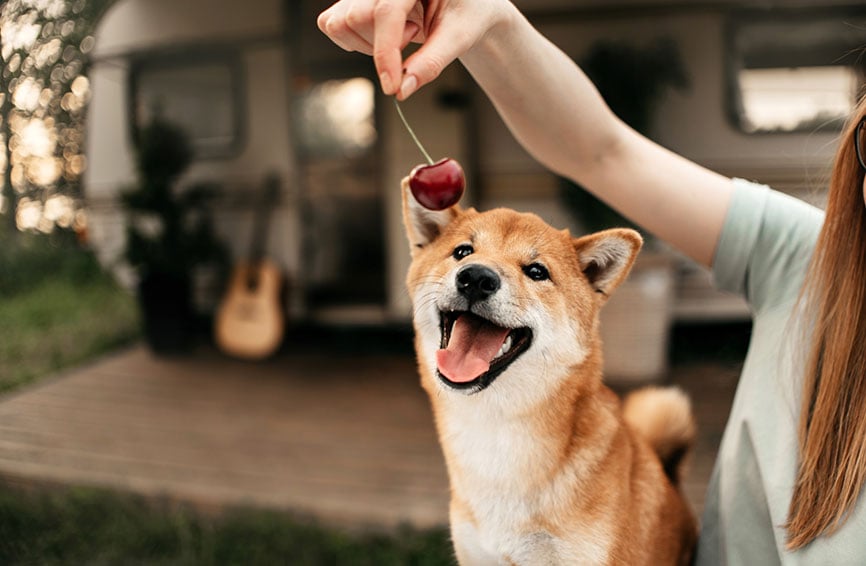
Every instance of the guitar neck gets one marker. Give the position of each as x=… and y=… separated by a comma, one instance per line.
x=262, y=218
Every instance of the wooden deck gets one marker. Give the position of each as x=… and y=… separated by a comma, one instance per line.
x=342, y=438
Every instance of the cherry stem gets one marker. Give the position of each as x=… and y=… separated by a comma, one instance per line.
x=412, y=133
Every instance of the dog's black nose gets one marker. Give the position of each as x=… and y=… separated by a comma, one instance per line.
x=476, y=282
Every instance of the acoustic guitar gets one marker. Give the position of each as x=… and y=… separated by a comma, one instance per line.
x=250, y=320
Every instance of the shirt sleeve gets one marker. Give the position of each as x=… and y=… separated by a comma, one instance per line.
x=765, y=245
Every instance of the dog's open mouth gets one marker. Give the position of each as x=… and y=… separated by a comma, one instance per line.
x=475, y=351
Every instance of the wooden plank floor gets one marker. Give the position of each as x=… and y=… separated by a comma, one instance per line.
x=342, y=438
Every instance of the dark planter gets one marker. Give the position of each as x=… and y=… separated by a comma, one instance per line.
x=165, y=301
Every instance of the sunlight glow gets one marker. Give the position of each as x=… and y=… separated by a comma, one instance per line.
x=28, y=215
x=53, y=9
x=37, y=139
x=18, y=37
x=80, y=87
x=44, y=171
x=42, y=150
x=60, y=209
x=48, y=53
x=26, y=95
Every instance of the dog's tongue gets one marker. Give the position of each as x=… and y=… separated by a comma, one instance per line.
x=474, y=342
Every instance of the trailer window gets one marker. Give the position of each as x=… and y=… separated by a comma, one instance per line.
x=796, y=71
x=199, y=95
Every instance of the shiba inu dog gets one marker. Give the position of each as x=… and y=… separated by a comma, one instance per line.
x=545, y=464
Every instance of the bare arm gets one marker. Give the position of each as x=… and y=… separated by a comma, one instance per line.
x=553, y=110
x=557, y=114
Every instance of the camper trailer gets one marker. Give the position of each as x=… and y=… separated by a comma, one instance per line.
x=761, y=90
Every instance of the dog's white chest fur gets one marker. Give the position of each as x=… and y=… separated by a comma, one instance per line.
x=495, y=548
x=495, y=459
x=501, y=536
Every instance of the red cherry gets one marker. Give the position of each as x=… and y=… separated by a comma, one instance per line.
x=437, y=186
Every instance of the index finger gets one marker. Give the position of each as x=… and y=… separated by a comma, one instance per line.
x=389, y=18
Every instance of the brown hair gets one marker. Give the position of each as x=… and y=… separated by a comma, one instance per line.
x=832, y=427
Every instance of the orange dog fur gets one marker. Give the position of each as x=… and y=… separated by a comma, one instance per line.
x=545, y=464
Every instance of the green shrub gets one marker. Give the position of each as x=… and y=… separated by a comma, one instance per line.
x=28, y=259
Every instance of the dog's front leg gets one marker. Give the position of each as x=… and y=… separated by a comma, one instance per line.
x=467, y=542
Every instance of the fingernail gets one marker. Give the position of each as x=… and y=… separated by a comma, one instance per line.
x=410, y=83
x=385, y=81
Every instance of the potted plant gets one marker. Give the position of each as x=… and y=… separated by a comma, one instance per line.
x=636, y=322
x=169, y=234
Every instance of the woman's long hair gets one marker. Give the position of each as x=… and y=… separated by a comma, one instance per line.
x=832, y=427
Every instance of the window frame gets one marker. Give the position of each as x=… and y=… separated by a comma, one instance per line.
x=177, y=59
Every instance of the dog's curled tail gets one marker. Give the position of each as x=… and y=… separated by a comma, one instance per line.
x=663, y=416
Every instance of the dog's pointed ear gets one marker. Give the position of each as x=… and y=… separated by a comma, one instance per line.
x=607, y=257
x=423, y=225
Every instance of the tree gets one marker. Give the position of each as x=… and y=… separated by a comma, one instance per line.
x=44, y=46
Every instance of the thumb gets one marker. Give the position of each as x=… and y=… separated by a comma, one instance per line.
x=440, y=49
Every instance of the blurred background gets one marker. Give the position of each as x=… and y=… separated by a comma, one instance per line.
x=204, y=191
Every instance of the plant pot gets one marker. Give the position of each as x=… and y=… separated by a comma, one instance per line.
x=636, y=321
x=165, y=302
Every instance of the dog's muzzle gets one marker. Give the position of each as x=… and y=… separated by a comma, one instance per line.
x=474, y=349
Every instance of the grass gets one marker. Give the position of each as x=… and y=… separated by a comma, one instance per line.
x=58, y=324
x=89, y=526
x=58, y=309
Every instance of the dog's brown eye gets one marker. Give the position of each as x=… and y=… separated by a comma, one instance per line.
x=536, y=272
x=462, y=251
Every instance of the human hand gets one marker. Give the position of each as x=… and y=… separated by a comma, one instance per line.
x=383, y=28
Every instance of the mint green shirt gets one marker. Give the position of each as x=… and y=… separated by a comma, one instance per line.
x=764, y=250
